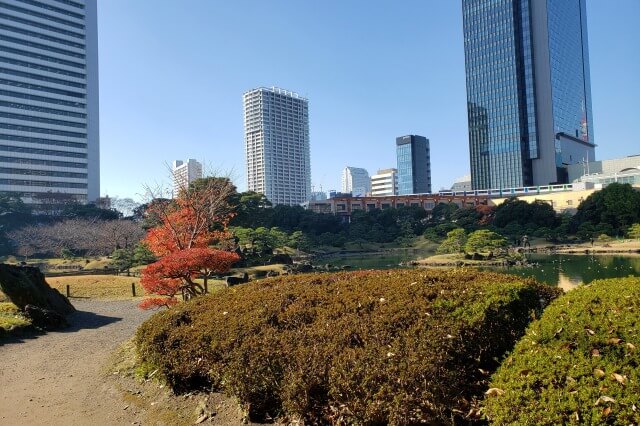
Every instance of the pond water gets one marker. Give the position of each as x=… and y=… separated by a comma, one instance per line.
x=568, y=271
x=563, y=270
x=390, y=259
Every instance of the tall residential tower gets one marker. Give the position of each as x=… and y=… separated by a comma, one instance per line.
x=414, y=165
x=276, y=139
x=49, y=140
x=528, y=90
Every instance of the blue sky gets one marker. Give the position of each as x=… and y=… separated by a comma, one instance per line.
x=172, y=74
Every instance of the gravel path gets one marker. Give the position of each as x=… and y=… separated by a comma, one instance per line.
x=56, y=378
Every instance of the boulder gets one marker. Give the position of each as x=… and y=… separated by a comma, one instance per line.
x=280, y=258
x=25, y=285
x=258, y=274
x=233, y=280
x=303, y=267
x=45, y=319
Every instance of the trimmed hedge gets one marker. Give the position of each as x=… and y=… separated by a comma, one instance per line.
x=578, y=364
x=365, y=347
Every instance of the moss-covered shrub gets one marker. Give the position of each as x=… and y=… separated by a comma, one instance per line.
x=367, y=347
x=11, y=318
x=578, y=364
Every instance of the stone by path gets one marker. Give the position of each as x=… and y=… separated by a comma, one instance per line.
x=57, y=378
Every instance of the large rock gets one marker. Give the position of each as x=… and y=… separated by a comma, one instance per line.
x=25, y=285
x=45, y=319
x=234, y=280
x=280, y=258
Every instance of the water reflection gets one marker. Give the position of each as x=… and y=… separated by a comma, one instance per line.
x=565, y=271
x=566, y=283
x=568, y=271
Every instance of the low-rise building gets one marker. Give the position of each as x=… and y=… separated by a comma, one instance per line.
x=345, y=206
x=462, y=183
x=384, y=183
x=561, y=201
x=318, y=196
x=604, y=172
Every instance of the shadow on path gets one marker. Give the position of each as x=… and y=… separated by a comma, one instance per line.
x=79, y=320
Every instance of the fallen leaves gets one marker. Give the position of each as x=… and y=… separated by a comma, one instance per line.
x=604, y=398
x=619, y=378
x=494, y=392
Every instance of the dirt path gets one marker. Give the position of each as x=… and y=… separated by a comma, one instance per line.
x=56, y=378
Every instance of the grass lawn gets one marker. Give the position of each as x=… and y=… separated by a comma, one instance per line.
x=277, y=267
x=116, y=287
x=456, y=259
x=97, y=286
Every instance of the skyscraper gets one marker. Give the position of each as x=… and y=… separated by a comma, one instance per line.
x=414, y=165
x=356, y=181
x=528, y=90
x=185, y=172
x=276, y=138
x=49, y=140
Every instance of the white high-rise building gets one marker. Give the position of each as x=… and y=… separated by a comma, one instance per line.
x=356, y=181
x=184, y=173
x=384, y=183
x=276, y=138
x=49, y=138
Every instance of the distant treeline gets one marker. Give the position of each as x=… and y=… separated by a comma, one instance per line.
x=258, y=224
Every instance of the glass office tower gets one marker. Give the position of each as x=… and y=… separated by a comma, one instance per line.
x=49, y=136
x=528, y=90
x=414, y=165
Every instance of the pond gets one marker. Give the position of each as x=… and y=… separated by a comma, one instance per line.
x=568, y=271
x=563, y=270
x=389, y=259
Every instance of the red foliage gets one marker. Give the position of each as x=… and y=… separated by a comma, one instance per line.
x=486, y=212
x=175, y=272
x=185, y=229
x=180, y=229
x=157, y=302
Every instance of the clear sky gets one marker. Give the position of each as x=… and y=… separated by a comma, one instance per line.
x=172, y=74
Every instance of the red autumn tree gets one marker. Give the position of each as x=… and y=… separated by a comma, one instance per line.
x=185, y=229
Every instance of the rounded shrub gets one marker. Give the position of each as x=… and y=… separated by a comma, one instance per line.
x=365, y=347
x=578, y=364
